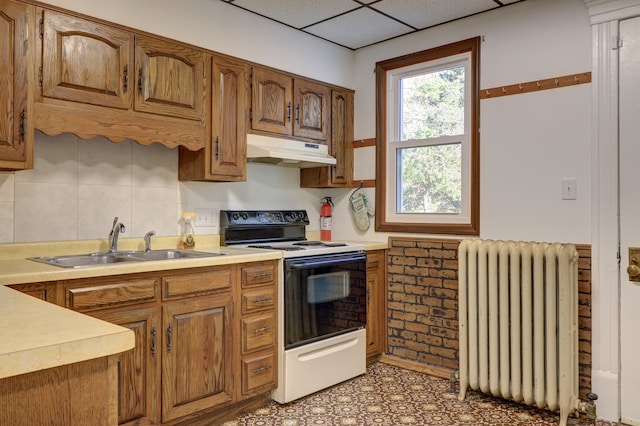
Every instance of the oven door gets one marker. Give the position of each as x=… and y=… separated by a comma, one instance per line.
x=324, y=296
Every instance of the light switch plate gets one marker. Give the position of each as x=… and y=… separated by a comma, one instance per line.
x=206, y=217
x=569, y=189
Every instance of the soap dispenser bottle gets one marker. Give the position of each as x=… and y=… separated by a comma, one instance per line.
x=189, y=236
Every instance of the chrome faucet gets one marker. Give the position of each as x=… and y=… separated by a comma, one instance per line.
x=116, y=229
x=147, y=240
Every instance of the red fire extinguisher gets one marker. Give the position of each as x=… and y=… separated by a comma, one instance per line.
x=325, y=219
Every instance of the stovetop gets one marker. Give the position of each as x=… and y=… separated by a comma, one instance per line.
x=283, y=230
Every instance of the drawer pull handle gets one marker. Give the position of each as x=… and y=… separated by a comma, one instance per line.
x=262, y=369
x=262, y=300
x=169, y=329
x=260, y=330
x=264, y=274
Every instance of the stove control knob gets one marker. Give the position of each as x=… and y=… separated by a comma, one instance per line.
x=234, y=216
x=244, y=215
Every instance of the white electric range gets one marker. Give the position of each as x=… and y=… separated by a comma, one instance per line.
x=321, y=299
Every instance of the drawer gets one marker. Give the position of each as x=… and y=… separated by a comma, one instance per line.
x=87, y=297
x=258, y=373
x=258, y=299
x=197, y=283
x=258, y=332
x=258, y=274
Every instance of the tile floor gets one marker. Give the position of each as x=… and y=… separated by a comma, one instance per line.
x=388, y=395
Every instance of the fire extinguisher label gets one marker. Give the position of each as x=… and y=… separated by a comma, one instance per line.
x=325, y=223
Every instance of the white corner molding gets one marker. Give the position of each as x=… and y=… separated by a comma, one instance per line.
x=605, y=16
x=611, y=10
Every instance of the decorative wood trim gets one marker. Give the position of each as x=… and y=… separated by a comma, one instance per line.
x=364, y=183
x=440, y=372
x=363, y=143
x=534, y=86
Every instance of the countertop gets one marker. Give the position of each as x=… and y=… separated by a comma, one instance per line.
x=38, y=335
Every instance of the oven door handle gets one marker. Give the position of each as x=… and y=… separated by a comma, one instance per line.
x=325, y=261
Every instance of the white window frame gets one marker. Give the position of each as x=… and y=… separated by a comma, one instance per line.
x=394, y=144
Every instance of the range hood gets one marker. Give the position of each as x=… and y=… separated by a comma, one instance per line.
x=287, y=153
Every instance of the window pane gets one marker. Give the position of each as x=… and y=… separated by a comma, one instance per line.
x=432, y=104
x=430, y=179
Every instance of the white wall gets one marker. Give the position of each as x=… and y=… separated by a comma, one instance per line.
x=77, y=186
x=529, y=142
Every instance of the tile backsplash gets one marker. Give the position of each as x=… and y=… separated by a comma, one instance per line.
x=77, y=187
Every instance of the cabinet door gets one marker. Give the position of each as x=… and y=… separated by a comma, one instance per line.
x=229, y=102
x=339, y=175
x=16, y=49
x=341, y=137
x=271, y=102
x=170, y=79
x=197, y=368
x=138, y=372
x=376, y=303
x=86, y=62
x=311, y=109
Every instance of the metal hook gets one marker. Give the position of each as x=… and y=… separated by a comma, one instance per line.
x=488, y=92
x=557, y=82
x=504, y=90
x=520, y=86
x=538, y=84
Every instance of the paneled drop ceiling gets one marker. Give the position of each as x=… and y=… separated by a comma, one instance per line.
x=358, y=23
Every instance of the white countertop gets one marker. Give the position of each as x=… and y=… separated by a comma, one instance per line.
x=36, y=335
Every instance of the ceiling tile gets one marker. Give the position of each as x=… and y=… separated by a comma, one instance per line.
x=298, y=13
x=426, y=13
x=341, y=29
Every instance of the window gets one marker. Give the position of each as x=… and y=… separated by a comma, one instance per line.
x=427, y=141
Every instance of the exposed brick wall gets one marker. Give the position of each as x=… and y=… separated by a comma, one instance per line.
x=423, y=304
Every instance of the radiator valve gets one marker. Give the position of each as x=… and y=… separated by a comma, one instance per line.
x=591, y=406
x=453, y=379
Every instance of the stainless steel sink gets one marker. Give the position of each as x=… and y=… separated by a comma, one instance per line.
x=101, y=259
x=172, y=254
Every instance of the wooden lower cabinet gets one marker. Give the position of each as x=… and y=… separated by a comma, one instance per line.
x=81, y=393
x=376, y=303
x=197, y=371
x=258, y=328
x=138, y=368
x=205, y=338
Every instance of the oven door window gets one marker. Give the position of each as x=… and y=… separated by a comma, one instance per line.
x=324, y=296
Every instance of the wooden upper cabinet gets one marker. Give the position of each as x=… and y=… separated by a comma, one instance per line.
x=230, y=102
x=311, y=115
x=225, y=155
x=340, y=174
x=289, y=106
x=83, y=61
x=271, y=102
x=16, y=80
x=170, y=79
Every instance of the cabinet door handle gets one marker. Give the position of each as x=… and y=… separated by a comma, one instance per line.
x=261, y=369
x=153, y=341
x=260, y=330
x=125, y=82
x=23, y=125
x=298, y=113
x=262, y=300
x=140, y=82
x=217, y=148
x=289, y=112
x=169, y=338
